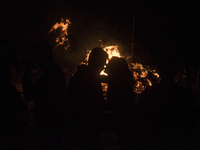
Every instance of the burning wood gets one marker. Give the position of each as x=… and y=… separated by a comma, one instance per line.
x=62, y=38
x=141, y=76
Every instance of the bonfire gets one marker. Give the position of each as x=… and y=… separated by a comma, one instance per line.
x=141, y=74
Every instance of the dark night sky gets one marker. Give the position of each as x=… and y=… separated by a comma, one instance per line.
x=162, y=29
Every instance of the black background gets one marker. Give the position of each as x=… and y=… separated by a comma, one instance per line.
x=163, y=31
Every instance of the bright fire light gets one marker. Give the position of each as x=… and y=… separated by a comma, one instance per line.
x=111, y=50
x=62, y=38
x=139, y=72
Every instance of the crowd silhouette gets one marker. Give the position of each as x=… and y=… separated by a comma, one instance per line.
x=167, y=114
x=12, y=112
x=164, y=118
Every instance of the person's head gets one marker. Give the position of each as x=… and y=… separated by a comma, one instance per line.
x=42, y=53
x=118, y=67
x=97, y=59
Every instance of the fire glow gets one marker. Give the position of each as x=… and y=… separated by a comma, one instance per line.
x=140, y=73
x=111, y=50
x=62, y=38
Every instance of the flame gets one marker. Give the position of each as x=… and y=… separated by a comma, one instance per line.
x=139, y=87
x=112, y=51
x=140, y=73
x=149, y=82
x=87, y=55
x=156, y=74
x=62, y=38
x=143, y=71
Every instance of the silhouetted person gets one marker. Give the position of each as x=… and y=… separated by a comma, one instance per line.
x=12, y=112
x=86, y=97
x=121, y=97
x=166, y=115
x=49, y=93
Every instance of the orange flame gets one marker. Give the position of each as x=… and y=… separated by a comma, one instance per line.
x=139, y=87
x=138, y=66
x=62, y=38
x=111, y=50
x=138, y=70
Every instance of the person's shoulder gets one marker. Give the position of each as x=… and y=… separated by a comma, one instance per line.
x=80, y=74
x=81, y=71
x=82, y=68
